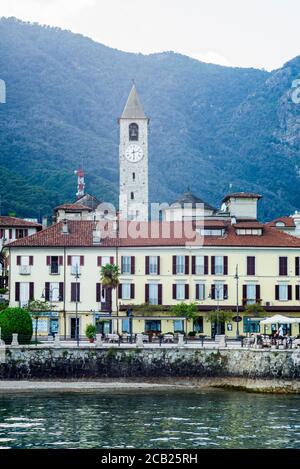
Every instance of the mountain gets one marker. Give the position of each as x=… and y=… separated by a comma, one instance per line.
x=214, y=129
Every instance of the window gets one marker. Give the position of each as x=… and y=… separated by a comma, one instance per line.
x=219, y=291
x=153, y=265
x=199, y=265
x=250, y=325
x=251, y=294
x=126, y=291
x=198, y=325
x=24, y=294
x=54, y=291
x=54, y=265
x=21, y=233
x=283, y=292
x=133, y=176
x=153, y=326
x=180, y=265
x=106, y=260
x=219, y=265
x=249, y=231
x=153, y=294
x=180, y=291
x=126, y=265
x=250, y=265
x=75, y=267
x=283, y=265
x=126, y=326
x=297, y=266
x=132, y=195
x=75, y=292
x=25, y=262
x=200, y=291
x=133, y=132
x=211, y=232
x=178, y=325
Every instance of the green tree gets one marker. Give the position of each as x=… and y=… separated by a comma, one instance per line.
x=219, y=316
x=36, y=309
x=255, y=310
x=110, y=279
x=186, y=310
x=16, y=321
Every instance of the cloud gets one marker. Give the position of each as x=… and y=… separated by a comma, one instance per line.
x=47, y=11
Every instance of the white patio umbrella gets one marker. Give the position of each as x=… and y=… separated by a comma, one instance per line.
x=278, y=319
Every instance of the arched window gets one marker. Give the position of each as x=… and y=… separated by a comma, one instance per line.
x=133, y=132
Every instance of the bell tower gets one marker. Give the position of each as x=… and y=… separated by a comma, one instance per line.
x=133, y=154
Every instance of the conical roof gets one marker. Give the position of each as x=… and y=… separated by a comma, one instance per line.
x=133, y=108
x=189, y=198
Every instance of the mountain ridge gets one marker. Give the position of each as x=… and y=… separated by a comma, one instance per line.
x=208, y=123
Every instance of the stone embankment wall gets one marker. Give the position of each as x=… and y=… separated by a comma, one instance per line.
x=66, y=363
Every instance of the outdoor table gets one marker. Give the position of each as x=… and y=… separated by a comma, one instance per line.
x=168, y=338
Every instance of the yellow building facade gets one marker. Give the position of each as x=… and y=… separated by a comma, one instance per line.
x=160, y=272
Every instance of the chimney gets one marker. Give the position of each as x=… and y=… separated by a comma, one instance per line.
x=44, y=222
x=296, y=218
x=65, y=227
x=96, y=233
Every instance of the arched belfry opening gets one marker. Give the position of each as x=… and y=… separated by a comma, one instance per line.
x=133, y=132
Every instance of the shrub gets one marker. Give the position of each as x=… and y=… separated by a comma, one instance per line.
x=90, y=331
x=16, y=321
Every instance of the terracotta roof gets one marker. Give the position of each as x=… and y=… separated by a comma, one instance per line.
x=136, y=234
x=249, y=224
x=242, y=195
x=73, y=207
x=18, y=222
x=288, y=221
x=214, y=224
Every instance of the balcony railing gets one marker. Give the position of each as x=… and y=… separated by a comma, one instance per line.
x=54, y=269
x=75, y=269
x=25, y=270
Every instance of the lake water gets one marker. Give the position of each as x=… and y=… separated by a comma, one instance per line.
x=161, y=420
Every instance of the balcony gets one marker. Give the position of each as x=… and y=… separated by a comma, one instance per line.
x=251, y=301
x=75, y=269
x=54, y=269
x=25, y=270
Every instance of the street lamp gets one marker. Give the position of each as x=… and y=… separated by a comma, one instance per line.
x=130, y=315
x=77, y=276
x=237, y=302
x=218, y=289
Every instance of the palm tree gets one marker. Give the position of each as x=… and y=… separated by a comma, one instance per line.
x=110, y=274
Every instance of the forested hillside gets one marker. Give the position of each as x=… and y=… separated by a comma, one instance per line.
x=211, y=126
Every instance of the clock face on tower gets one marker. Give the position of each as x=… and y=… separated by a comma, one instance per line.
x=134, y=153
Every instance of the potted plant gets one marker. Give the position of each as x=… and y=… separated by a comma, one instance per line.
x=90, y=332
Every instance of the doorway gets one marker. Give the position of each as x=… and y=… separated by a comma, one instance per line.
x=214, y=329
x=73, y=327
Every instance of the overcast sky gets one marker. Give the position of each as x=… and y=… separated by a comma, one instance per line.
x=244, y=33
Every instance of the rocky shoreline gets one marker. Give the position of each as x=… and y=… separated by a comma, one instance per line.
x=160, y=385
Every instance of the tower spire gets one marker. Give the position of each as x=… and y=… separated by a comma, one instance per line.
x=133, y=108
